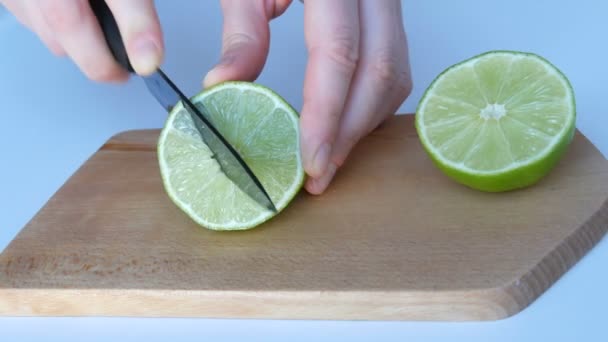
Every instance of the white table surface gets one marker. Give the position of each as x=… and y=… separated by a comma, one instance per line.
x=53, y=119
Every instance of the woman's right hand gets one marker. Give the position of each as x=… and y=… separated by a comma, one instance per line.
x=68, y=27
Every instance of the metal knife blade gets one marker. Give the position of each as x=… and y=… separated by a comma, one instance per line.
x=231, y=163
x=168, y=95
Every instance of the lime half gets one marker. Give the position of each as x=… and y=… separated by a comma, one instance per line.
x=261, y=126
x=498, y=121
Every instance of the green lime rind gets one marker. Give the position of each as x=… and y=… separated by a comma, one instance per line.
x=516, y=176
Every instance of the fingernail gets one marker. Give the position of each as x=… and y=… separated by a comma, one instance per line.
x=317, y=186
x=320, y=161
x=147, y=56
x=210, y=78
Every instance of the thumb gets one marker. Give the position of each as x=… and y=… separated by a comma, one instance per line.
x=245, y=42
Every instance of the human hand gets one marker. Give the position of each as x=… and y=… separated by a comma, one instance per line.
x=357, y=75
x=68, y=27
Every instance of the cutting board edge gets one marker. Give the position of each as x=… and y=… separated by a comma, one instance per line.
x=471, y=305
x=486, y=304
x=122, y=140
x=526, y=289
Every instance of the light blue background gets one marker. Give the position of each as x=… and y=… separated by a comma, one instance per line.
x=53, y=119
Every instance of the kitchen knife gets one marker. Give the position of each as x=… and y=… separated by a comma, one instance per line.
x=168, y=95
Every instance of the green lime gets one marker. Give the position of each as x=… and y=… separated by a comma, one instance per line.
x=498, y=121
x=261, y=126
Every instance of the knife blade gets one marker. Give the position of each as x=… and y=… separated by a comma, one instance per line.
x=168, y=95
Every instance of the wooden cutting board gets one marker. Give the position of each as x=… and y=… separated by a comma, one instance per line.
x=392, y=239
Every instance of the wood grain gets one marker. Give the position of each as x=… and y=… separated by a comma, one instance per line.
x=392, y=239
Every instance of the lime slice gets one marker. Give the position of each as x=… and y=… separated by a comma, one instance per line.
x=261, y=126
x=498, y=121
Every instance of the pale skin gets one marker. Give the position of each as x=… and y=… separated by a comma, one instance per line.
x=357, y=74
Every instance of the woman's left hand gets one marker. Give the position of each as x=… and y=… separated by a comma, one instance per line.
x=358, y=71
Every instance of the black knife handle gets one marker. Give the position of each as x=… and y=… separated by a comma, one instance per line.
x=111, y=33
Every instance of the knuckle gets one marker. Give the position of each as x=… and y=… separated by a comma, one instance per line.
x=237, y=39
x=405, y=86
x=56, y=49
x=343, y=48
x=62, y=16
x=391, y=73
x=386, y=68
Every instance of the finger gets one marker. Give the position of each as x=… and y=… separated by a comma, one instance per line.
x=18, y=10
x=245, y=41
x=28, y=14
x=332, y=38
x=404, y=85
x=39, y=26
x=74, y=26
x=276, y=8
x=382, y=81
x=317, y=186
x=140, y=30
